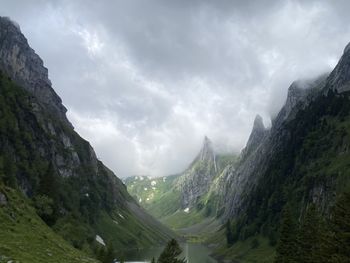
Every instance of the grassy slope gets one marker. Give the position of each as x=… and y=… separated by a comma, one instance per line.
x=132, y=229
x=81, y=203
x=161, y=199
x=242, y=251
x=156, y=195
x=24, y=237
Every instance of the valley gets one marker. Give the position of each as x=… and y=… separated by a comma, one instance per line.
x=284, y=198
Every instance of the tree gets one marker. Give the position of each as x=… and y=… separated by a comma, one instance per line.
x=309, y=237
x=340, y=230
x=229, y=233
x=286, y=247
x=171, y=253
x=43, y=205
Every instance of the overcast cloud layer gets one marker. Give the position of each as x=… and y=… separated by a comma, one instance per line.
x=144, y=81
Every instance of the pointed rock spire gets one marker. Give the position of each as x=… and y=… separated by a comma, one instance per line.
x=258, y=123
x=256, y=136
x=207, y=153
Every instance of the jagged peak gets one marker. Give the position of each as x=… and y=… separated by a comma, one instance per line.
x=206, y=151
x=347, y=48
x=339, y=79
x=206, y=142
x=6, y=19
x=257, y=134
x=258, y=123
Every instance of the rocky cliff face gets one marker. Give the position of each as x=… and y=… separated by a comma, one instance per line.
x=240, y=184
x=300, y=94
x=196, y=180
x=256, y=136
x=45, y=156
x=339, y=79
x=20, y=62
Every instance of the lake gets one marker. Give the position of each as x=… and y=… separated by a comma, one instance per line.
x=194, y=253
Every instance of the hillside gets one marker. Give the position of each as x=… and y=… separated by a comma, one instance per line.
x=303, y=160
x=42, y=157
x=185, y=202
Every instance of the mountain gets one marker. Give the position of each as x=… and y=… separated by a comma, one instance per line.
x=301, y=161
x=47, y=166
x=196, y=180
x=185, y=199
x=300, y=165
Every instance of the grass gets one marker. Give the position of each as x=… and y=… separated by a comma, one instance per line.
x=126, y=231
x=24, y=237
x=156, y=195
x=243, y=251
x=181, y=219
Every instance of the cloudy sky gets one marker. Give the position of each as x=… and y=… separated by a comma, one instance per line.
x=145, y=80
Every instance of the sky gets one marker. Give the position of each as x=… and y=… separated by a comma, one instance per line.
x=145, y=80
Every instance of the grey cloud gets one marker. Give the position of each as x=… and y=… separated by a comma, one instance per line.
x=144, y=81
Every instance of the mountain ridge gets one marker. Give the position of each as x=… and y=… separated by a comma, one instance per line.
x=44, y=158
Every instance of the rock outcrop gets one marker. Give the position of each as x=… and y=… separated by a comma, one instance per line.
x=196, y=180
x=300, y=93
x=20, y=62
x=256, y=136
x=339, y=79
x=3, y=199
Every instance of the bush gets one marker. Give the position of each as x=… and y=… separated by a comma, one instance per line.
x=255, y=243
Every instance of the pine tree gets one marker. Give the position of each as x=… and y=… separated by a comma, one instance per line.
x=340, y=228
x=309, y=246
x=229, y=233
x=286, y=247
x=171, y=253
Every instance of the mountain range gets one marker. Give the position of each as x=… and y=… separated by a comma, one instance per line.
x=300, y=161
x=59, y=203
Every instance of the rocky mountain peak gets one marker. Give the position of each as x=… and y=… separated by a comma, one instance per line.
x=206, y=152
x=256, y=136
x=258, y=123
x=20, y=62
x=195, y=181
x=339, y=79
x=300, y=93
x=296, y=93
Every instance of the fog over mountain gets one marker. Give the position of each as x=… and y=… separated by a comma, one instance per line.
x=145, y=81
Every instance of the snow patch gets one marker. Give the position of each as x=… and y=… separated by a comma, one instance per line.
x=100, y=240
x=187, y=210
x=145, y=188
x=116, y=222
x=121, y=216
x=154, y=188
x=141, y=178
x=147, y=199
x=164, y=179
x=153, y=183
x=140, y=200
